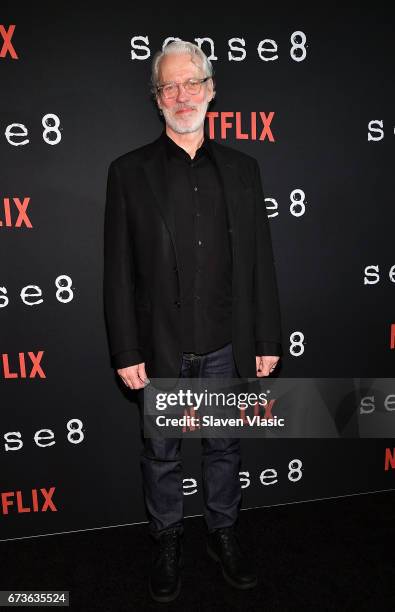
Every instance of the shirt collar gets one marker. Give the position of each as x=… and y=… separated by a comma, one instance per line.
x=173, y=149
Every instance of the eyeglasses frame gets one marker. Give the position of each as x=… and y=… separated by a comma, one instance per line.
x=201, y=81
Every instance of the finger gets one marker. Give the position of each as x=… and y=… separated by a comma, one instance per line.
x=134, y=380
x=142, y=373
x=260, y=369
x=274, y=365
x=265, y=367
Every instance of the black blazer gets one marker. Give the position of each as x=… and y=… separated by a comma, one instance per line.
x=141, y=285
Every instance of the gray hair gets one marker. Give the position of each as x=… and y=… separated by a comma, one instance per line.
x=180, y=46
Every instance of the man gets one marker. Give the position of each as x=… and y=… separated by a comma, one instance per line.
x=189, y=291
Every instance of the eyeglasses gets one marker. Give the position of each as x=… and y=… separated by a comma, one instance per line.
x=170, y=90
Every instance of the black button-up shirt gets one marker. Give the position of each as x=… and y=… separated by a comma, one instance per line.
x=203, y=247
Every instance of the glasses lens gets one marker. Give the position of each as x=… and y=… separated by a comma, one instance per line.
x=169, y=91
x=192, y=87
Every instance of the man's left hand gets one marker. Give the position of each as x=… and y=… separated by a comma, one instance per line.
x=265, y=364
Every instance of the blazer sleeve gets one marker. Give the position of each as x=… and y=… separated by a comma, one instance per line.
x=268, y=340
x=119, y=277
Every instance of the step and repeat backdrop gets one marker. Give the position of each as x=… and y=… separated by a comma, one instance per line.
x=310, y=96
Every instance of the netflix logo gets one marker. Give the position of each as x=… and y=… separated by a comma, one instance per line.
x=254, y=126
x=24, y=366
x=36, y=500
x=11, y=208
x=389, y=459
x=7, y=48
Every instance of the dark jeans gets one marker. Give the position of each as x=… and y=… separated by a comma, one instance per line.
x=161, y=462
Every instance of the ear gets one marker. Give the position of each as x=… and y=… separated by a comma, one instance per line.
x=157, y=99
x=212, y=88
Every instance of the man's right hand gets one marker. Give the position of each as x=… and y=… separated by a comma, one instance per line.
x=134, y=376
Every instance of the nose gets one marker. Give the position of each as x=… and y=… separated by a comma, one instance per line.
x=182, y=95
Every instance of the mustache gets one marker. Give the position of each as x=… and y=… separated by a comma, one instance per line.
x=183, y=107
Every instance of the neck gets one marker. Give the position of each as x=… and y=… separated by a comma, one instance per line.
x=190, y=142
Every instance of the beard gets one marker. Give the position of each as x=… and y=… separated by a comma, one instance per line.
x=188, y=124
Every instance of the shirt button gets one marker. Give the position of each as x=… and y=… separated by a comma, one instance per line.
x=195, y=188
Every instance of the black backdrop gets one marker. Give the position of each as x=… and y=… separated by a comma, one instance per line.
x=330, y=146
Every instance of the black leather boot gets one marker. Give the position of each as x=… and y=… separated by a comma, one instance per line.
x=165, y=580
x=223, y=546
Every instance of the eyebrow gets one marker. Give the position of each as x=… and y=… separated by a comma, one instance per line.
x=188, y=79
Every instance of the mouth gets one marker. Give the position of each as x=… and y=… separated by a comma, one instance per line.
x=184, y=110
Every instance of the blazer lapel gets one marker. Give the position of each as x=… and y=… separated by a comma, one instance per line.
x=228, y=174
x=155, y=169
